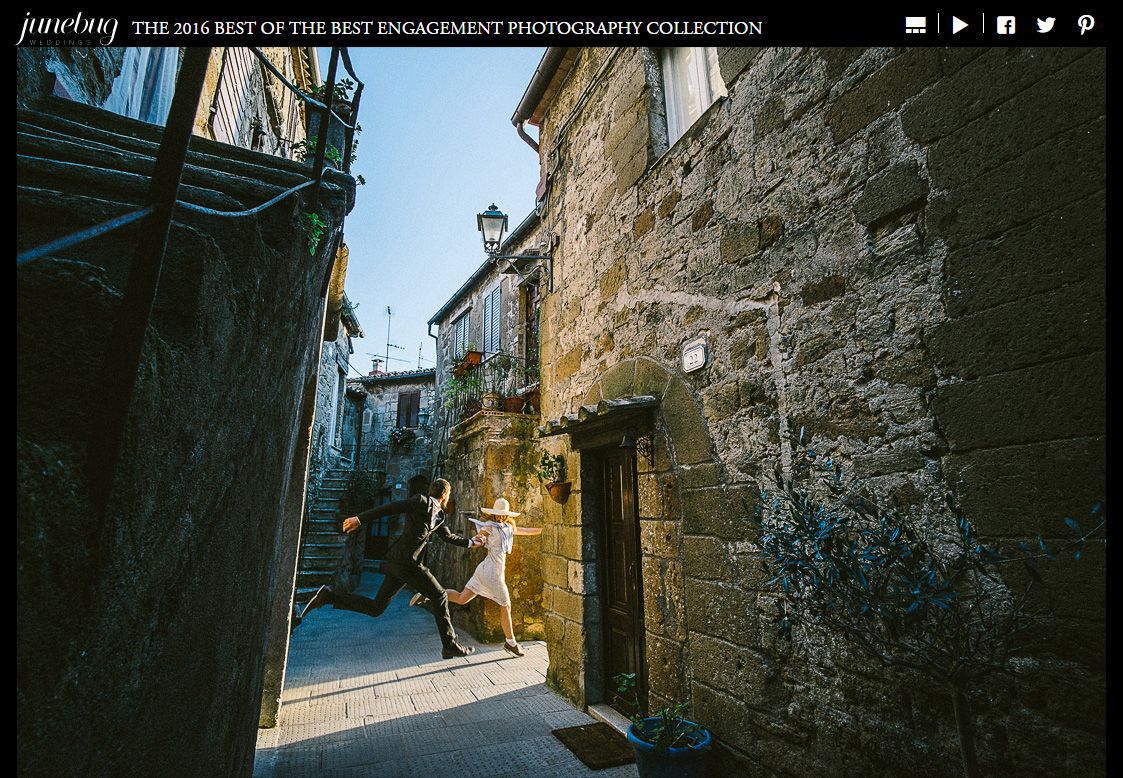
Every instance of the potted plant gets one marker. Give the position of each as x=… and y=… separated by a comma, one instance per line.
x=512, y=403
x=492, y=379
x=551, y=471
x=337, y=133
x=666, y=743
x=402, y=437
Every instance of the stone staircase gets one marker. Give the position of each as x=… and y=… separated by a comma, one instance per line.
x=325, y=555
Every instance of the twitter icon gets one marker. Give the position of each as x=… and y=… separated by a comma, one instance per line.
x=1046, y=24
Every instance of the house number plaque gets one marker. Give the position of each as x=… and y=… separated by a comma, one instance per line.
x=695, y=354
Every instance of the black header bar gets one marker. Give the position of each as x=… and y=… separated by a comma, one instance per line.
x=911, y=27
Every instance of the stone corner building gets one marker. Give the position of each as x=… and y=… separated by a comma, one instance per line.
x=901, y=251
x=150, y=632
x=491, y=453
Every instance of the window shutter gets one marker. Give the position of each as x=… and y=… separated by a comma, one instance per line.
x=403, y=409
x=491, y=321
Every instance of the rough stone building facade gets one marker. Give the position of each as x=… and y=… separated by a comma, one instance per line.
x=901, y=251
x=172, y=604
x=334, y=433
x=490, y=453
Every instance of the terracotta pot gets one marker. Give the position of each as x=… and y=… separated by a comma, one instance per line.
x=491, y=401
x=559, y=490
x=472, y=358
x=513, y=404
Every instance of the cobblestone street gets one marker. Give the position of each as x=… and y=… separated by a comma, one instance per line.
x=372, y=697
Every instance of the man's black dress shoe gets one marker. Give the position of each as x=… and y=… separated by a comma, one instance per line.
x=455, y=649
x=321, y=597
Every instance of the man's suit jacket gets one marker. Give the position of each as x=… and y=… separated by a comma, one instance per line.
x=424, y=519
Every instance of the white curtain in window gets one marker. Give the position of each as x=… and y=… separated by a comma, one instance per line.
x=692, y=82
x=144, y=88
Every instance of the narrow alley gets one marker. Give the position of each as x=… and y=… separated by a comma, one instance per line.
x=372, y=697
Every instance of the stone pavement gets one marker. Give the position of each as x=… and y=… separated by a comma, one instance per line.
x=372, y=697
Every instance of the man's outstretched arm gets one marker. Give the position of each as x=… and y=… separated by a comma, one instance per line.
x=352, y=523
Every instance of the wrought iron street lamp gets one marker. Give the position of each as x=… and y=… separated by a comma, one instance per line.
x=492, y=223
x=423, y=417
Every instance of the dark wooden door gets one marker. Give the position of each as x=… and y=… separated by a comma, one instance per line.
x=623, y=591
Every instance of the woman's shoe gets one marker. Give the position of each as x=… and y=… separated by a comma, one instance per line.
x=515, y=649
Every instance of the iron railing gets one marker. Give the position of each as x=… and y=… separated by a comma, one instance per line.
x=508, y=379
x=122, y=359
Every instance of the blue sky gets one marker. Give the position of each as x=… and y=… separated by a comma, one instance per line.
x=437, y=148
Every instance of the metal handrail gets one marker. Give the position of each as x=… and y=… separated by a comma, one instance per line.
x=120, y=366
x=110, y=225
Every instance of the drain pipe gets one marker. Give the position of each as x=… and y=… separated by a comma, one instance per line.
x=547, y=67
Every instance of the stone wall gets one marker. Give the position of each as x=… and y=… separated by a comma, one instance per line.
x=156, y=613
x=402, y=463
x=900, y=250
x=85, y=74
x=495, y=455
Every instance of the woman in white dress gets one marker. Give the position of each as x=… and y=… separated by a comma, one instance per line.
x=489, y=579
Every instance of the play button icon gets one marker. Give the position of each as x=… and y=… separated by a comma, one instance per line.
x=957, y=25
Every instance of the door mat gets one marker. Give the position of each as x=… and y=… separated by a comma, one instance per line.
x=597, y=745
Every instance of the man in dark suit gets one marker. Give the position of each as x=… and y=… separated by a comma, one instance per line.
x=405, y=562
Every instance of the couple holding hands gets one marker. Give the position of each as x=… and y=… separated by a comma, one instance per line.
x=405, y=564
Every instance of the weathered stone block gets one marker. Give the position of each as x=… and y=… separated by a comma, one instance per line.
x=668, y=202
x=704, y=558
x=979, y=86
x=663, y=597
x=905, y=459
x=659, y=539
x=643, y=222
x=619, y=380
x=1023, y=332
x=717, y=511
x=815, y=292
x=702, y=216
x=569, y=606
x=1062, y=399
x=1028, y=490
x=569, y=542
x=721, y=611
x=569, y=363
x=738, y=240
x=651, y=378
x=1062, y=246
x=1070, y=97
x=733, y=60
x=696, y=476
x=769, y=117
x=1047, y=176
x=554, y=570
x=901, y=78
x=685, y=425
x=612, y=279
x=898, y=190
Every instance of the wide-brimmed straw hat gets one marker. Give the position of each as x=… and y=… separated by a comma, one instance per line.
x=502, y=508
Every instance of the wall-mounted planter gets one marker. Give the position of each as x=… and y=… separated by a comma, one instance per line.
x=559, y=490
x=492, y=401
x=513, y=404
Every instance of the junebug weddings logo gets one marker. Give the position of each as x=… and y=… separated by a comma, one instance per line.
x=76, y=30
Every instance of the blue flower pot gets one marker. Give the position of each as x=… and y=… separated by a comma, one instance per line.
x=682, y=762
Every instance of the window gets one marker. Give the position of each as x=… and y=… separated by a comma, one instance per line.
x=492, y=307
x=692, y=82
x=409, y=404
x=460, y=336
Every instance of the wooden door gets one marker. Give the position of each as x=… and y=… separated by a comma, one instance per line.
x=623, y=590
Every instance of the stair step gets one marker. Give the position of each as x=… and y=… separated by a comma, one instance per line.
x=315, y=576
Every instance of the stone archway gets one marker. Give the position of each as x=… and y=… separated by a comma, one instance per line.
x=680, y=467
x=678, y=413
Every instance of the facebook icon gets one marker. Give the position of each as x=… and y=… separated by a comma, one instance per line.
x=1005, y=25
